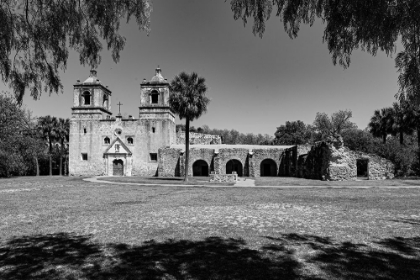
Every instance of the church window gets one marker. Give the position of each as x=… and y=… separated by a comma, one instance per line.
x=118, y=131
x=106, y=140
x=105, y=103
x=130, y=140
x=84, y=156
x=153, y=157
x=86, y=98
x=155, y=97
x=84, y=130
x=153, y=129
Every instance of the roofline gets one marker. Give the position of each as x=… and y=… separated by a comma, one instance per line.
x=93, y=85
x=91, y=108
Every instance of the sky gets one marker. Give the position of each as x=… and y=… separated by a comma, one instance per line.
x=255, y=85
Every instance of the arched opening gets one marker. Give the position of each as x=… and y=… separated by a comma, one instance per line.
x=200, y=168
x=86, y=98
x=118, y=167
x=107, y=140
x=130, y=140
x=155, y=97
x=268, y=168
x=234, y=165
x=105, y=103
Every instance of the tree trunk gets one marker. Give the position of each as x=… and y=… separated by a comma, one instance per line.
x=187, y=147
x=61, y=157
x=50, y=164
x=37, y=166
x=65, y=165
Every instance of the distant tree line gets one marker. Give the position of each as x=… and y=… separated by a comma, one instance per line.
x=28, y=145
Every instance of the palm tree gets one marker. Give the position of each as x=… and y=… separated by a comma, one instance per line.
x=62, y=135
x=381, y=123
x=48, y=128
x=402, y=119
x=188, y=100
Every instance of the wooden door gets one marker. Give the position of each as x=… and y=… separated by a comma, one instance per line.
x=118, y=167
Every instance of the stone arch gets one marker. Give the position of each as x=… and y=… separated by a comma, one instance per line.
x=105, y=101
x=268, y=167
x=86, y=98
x=200, y=168
x=234, y=165
x=154, y=97
x=118, y=167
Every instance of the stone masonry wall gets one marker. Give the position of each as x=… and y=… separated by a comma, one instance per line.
x=261, y=154
x=328, y=161
x=169, y=162
x=198, y=138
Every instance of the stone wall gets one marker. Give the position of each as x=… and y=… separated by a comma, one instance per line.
x=198, y=138
x=226, y=178
x=169, y=162
x=334, y=162
x=259, y=155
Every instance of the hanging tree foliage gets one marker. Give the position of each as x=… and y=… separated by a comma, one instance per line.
x=35, y=37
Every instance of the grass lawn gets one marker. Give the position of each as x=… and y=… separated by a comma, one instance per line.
x=66, y=228
x=291, y=181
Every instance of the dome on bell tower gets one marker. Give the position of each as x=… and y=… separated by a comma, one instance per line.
x=158, y=78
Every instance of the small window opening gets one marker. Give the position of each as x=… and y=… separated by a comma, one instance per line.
x=86, y=98
x=105, y=103
x=84, y=130
x=118, y=131
x=155, y=98
x=130, y=140
x=153, y=129
x=84, y=156
x=153, y=157
x=106, y=140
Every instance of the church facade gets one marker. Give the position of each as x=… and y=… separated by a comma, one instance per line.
x=101, y=144
x=148, y=145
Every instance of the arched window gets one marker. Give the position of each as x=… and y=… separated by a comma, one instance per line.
x=107, y=140
x=155, y=97
x=130, y=140
x=105, y=103
x=86, y=98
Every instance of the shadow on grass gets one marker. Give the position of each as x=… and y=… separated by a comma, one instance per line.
x=70, y=256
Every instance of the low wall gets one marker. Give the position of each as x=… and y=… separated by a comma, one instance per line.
x=223, y=178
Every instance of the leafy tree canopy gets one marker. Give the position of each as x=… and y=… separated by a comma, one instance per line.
x=334, y=125
x=371, y=25
x=35, y=37
x=293, y=133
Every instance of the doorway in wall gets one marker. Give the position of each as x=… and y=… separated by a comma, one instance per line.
x=118, y=167
x=362, y=169
x=234, y=165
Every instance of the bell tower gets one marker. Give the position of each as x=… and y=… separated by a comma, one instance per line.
x=155, y=114
x=91, y=99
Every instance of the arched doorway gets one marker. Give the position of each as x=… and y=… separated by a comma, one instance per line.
x=268, y=168
x=118, y=167
x=234, y=165
x=200, y=168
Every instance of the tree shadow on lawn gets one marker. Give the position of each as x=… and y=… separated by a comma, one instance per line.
x=71, y=256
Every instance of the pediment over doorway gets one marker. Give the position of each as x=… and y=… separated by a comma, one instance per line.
x=117, y=147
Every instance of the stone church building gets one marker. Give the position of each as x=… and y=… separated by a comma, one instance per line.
x=149, y=145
